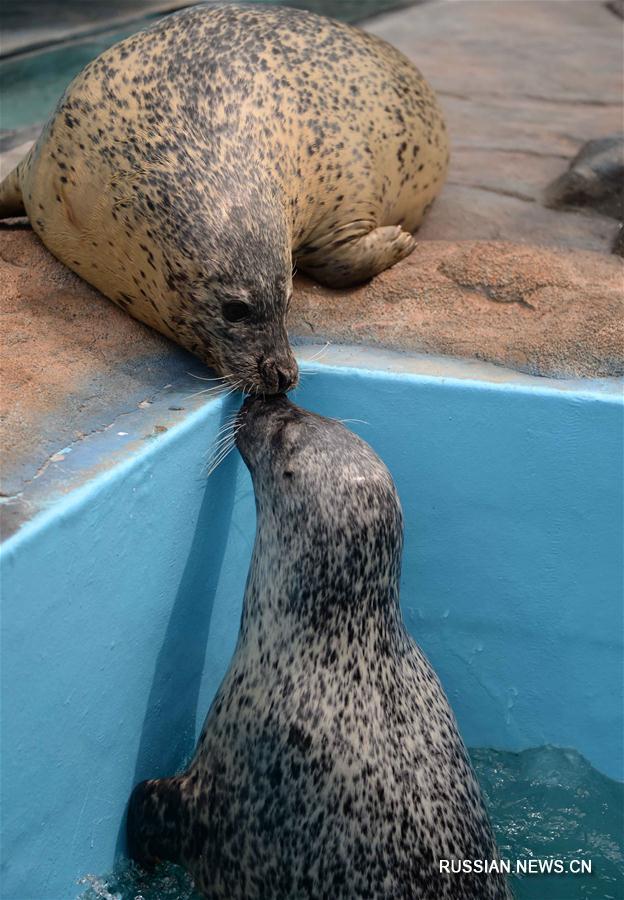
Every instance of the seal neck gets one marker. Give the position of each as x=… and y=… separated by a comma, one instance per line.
x=328, y=591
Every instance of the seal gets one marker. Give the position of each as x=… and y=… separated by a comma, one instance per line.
x=187, y=167
x=330, y=764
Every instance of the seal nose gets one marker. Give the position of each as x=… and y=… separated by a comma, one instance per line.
x=257, y=409
x=278, y=378
x=284, y=381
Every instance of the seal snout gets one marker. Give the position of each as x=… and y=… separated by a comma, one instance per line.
x=259, y=417
x=255, y=405
x=278, y=376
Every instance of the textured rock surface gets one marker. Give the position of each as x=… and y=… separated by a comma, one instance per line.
x=70, y=361
x=546, y=312
x=523, y=86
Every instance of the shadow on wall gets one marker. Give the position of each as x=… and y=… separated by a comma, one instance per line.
x=168, y=730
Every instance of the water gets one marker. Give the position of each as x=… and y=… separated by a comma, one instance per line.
x=33, y=83
x=548, y=803
x=128, y=883
x=544, y=804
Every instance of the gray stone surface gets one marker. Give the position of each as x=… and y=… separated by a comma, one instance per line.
x=523, y=85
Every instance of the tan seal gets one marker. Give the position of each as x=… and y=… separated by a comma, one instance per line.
x=186, y=168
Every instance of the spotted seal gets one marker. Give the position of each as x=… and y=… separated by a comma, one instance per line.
x=187, y=167
x=330, y=764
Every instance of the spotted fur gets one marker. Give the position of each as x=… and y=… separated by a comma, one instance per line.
x=330, y=765
x=187, y=166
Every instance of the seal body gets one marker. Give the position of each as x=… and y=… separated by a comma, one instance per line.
x=330, y=764
x=187, y=167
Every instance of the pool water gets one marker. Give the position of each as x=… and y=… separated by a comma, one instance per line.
x=33, y=83
x=548, y=803
x=545, y=803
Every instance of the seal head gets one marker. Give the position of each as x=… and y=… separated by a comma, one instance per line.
x=293, y=454
x=228, y=274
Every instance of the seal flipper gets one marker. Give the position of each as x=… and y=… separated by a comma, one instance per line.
x=353, y=261
x=11, y=202
x=155, y=821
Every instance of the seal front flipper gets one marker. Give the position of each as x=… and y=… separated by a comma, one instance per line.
x=155, y=821
x=358, y=259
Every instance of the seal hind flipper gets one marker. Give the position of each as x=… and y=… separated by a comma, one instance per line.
x=11, y=202
x=153, y=826
x=359, y=259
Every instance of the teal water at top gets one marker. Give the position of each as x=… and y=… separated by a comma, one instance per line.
x=545, y=804
x=32, y=84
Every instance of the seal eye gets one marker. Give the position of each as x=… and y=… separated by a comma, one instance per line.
x=287, y=473
x=236, y=311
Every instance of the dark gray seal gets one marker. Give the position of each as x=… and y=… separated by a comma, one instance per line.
x=330, y=764
x=187, y=167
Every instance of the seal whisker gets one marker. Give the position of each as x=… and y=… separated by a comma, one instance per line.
x=228, y=424
x=224, y=451
x=320, y=353
x=203, y=377
x=227, y=436
x=218, y=445
x=229, y=420
x=215, y=461
x=225, y=433
x=216, y=391
x=220, y=440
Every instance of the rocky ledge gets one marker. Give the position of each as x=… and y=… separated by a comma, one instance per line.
x=497, y=274
x=538, y=310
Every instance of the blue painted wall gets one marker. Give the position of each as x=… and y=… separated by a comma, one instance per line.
x=121, y=604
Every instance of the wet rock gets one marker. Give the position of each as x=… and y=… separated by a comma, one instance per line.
x=595, y=179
